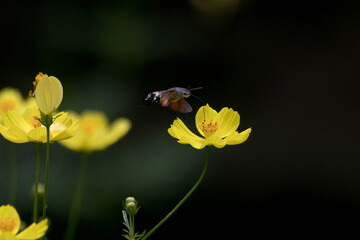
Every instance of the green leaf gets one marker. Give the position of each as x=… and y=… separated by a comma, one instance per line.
x=139, y=236
x=126, y=220
x=126, y=236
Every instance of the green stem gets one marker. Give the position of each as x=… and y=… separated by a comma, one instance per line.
x=76, y=204
x=38, y=145
x=46, y=169
x=182, y=200
x=12, y=174
x=132, y=226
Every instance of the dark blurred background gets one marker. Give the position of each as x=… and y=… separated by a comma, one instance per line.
x=290, y=68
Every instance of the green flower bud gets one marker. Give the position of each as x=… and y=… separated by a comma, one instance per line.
x=131, y=206
x=41, y=190
x=129, y=199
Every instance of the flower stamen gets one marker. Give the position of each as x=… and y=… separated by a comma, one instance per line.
x=7, y=224
x=35, y=83
x=35, y=122
x=209, y=127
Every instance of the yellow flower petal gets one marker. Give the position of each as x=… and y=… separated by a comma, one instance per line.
x=119, y=128
x=180, y=130
x=9, y=219
x=34, y=231
x=48, y=94
x=14, y=120
x=14, y=127
x=237, y=138
x=170, y=131
x=62, y=135
x=29, y=114
x=228, y=121
x=9, y=135
x=216, y=141
x=92, y=121
x=204, y=112
x=185, y=136
x=63, y=118
x=63, y=127
x=73, y=143
x=37, y=135
x=7, y=236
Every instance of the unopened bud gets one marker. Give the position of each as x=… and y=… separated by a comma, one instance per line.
x=129, y=199
x=40, y=190
x=131, y=206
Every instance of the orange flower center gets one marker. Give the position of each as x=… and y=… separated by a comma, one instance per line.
x=34, y=122
x=7, y=105
x=35, y=83
x=209, y=127
x=87, y=127
x=7, y=224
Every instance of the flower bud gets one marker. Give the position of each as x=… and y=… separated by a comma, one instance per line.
x=41, y=191
x=48, y=94
x=129, y=199
x=131, y=206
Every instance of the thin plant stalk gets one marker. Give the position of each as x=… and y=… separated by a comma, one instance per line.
x=132, y=225
x=182, y=200
x=12, y=174
x=46, y=170
x=36, y=190
x=77, y=201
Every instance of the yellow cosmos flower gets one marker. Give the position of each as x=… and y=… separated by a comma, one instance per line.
x=217, y=129
x=10, y=225
x=11, y=99
x=95, y=133
x=48, y=93
x=26, y=128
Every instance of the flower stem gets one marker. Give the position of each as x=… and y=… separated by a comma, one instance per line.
x=132, y=226
x=12, y=174
x=76, y=204
x=182, y=200
x=38, y=145
x=46, y=169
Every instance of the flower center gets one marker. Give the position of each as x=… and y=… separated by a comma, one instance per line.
x=34, y=122
x=7, y=105
x=87, y=127
x=209, y=127
x=35, y=83
x=7, y=224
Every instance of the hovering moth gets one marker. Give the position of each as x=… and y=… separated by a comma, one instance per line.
x=174, y=98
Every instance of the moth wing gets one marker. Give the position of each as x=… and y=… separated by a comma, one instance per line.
x=165, y=97
x=164, y=102
x=180, y=106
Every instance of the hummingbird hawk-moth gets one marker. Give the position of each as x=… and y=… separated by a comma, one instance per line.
x=174, y=98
